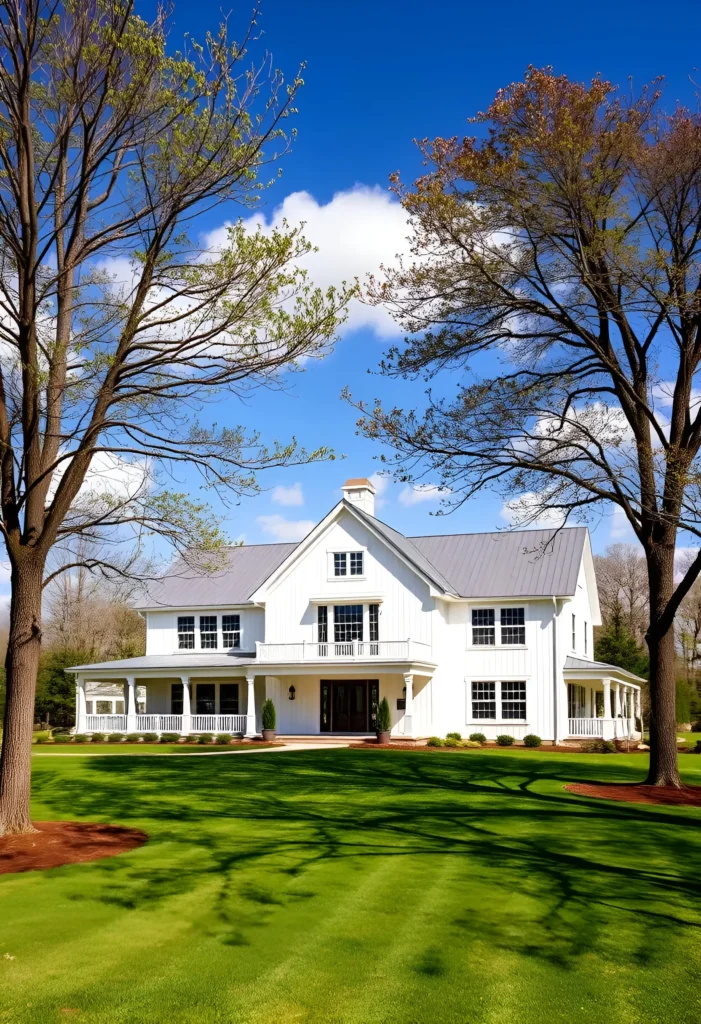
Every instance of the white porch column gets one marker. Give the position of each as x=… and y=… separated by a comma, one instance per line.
x=409, y=704
x=80, y=709
x=251, y=706
x=131, y=704
x=631, y=711
x=608, y=727
x=186, y=720
x=639, y=710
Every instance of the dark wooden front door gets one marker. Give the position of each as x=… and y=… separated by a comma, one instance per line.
x=348, y=705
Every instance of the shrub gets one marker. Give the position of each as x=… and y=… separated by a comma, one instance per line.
x=696, y=726
x=224, y=737
x=450, y=741
x=133, y=737
x=268, y=715
x=80, y=737
x=532, y=740
x=63, y=737
x=168, y=737
x=149, y=737
x=435, y=741
x=478, y=737
x=697, y=748
x=453, y=736
x=43, y=738
x=505, y=741
x=599, y=747
x=115, y=737
x=98, y=737
x=205, y=737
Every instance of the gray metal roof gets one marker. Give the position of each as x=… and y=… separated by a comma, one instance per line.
x=177, y=662
x=523, y=563
x=599, y=668
x=246, y=567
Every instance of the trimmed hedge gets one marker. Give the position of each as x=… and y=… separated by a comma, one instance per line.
x=435, y=741
x=532, y=740
x=504, y=740
x=477, y=737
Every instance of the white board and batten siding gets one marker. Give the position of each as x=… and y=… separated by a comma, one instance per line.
x=162, y=628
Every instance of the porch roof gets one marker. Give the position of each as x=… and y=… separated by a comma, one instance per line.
x=583, y=668
x=176, y=662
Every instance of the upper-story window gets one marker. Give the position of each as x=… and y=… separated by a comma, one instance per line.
x=374, y=621
x=574, y=632
x=186, y=632
x=322, y=624
x=586, y=639
x=208, y=632
x=347, y=563
x=483, y=627
x=231, y=631
x=513, y=626
x=347, y=623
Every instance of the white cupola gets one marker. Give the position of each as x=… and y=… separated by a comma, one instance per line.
x=359, y=491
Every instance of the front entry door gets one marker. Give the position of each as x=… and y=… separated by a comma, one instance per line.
x=348, y=705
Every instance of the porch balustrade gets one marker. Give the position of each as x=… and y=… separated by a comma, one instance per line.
x=586, y=726
x=167, y=723
x=353, y=650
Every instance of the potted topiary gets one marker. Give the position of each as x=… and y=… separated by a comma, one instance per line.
x=384, y=721
x=269, y=720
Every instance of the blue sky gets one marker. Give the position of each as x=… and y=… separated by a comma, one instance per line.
x=378, y=75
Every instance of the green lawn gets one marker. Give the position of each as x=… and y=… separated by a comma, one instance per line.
x=358, y=886
x=140, y=749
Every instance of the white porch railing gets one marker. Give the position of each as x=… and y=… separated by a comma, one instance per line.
x=354, y=650
x=586, y=726
x=218, y=723
x=105, y=723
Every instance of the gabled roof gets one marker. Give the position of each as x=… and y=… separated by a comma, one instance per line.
x=246, y=567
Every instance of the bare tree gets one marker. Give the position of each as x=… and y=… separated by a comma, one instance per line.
x=621, y=577
x=558, y=272
x=117, y=321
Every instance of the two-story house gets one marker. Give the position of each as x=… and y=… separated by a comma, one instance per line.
x=479, y=632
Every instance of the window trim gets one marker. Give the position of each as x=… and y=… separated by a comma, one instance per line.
x=331, y=555
x=498, y=644
x=239, y=631
x=194, y=633
x=208, y=632
x=483, y=677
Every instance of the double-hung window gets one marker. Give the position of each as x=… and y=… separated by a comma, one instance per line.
x=483, y=627
x=586, y=639
x=347, y=623
x=348, y=563
x=322, y=624
x=497, y=700
x=513, y=626
x=574, y=632
x=230, y=631
x=186, y=632
x=208, y=632
x=340, y=564
x=356, y=563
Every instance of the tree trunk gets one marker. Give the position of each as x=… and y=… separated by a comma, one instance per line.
x=21, y=664
x=664, y=770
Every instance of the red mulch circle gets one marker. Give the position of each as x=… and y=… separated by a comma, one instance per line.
x=690, y=796
x=65, y=842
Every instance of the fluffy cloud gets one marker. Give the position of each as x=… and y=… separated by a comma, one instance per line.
x=356, y=232
x=291, y=495
x=285, y=529
x=380, y=483
x=419, y=493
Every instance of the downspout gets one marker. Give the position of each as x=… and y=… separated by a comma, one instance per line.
x=555, y=674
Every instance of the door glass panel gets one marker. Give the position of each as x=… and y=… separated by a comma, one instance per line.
x=205, y=699
x=176, y=699
x=325, y=722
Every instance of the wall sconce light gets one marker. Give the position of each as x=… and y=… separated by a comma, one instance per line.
x=404, y=690
x=292, y=692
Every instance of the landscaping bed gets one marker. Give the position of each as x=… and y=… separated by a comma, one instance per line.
x=690, y=796
x=65, y=842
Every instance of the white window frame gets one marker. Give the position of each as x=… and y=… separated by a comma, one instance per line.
x=239, y=646
x=483, y=677
x=331, y=568
x=497, y=645
x=586, y=640
x=215, y=614
x=574, y=632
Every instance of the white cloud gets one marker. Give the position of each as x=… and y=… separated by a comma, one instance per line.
x=291, y=495
x=356, y=232
x=285, y=529
x=380, y=483
x=620, y=526
x=416, y=494
x=663, y=394
x=525, y=511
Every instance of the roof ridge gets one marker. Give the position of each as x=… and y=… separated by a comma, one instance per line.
x=489, y=533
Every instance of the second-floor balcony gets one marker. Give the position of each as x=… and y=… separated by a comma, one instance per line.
x=352, y=650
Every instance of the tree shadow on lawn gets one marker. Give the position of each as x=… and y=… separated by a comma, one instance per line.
x=566, y=869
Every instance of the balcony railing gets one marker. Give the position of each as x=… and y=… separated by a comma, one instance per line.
x=354, y=650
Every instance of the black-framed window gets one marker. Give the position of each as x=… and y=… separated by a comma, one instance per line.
x=574, y=632
x=374, y=621
x=484, y=700
x=513, y=626
x=231, y=631
x=356, y=563
x=206, y=702
x=208, y=632
x=229, y=699
x=483, y=627
x=176, y=698
x=347, y=623
x=186, y=632
x=513, y=699
x=322, y=624
x=340, y=566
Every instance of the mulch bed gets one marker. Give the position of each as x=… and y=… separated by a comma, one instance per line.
x=690, y=796
x=65, y=842
x=548, y=748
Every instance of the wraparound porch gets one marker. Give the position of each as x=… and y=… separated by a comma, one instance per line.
x=601, y=708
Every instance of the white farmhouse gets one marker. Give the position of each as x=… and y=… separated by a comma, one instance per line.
x=477, y=632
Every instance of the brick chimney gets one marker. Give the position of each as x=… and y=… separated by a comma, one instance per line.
x=359, y=491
